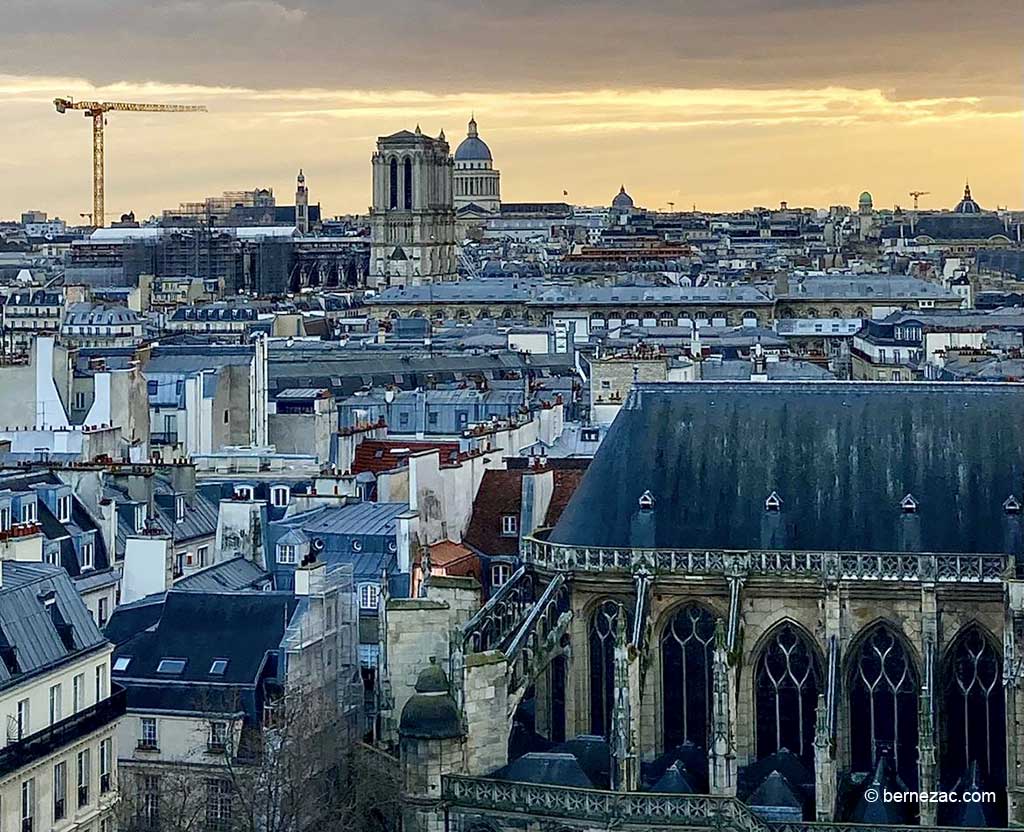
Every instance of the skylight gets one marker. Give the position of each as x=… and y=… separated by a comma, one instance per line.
x=121, y=663
x=170, y=666
x=218, y=667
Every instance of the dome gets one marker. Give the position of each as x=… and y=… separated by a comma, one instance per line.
x=622, y=201
x=967, y=205
x=865, y=199
x=431, y=713
x=473, y=148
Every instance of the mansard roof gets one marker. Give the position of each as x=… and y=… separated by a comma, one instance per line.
x=840, y=455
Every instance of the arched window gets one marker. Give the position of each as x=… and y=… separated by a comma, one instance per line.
x=786, y=689
x=973, y=716
x=603, y=626
x=407, y=183
x=686, y=665
x=393, y=183
x=883, y=704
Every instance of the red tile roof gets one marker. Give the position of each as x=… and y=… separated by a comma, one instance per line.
x=500, y=493
x=377, y=455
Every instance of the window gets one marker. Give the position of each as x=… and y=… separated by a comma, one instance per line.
x=24, y=719
x=179, y=509
x=101, y=682
x=218, y=739
x=149, y=786
x=106, y=763
x=201, y=555
x=243, y=492
x=60, y=791
x=686, y=648
x=357, y=545
x=28, y=511
x=218, y=805
x=121, y=664
x=509, y=525
x=369, y=596
x=500, y=573
x=5, y=518
x=103, y=612
x=83, y=777
x=147, y=733
x=286, y=553
x=786, y=695
x=279, y=495
x=64, y=508
x=55, y=704
x=87, y=555
x=80, y=400
x=171, y=666
x=151, y=388
x=28, y=804
x=140, y=517
x=78, y=692
x=219, y=667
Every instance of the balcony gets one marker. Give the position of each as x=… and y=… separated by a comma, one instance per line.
x=50, y=740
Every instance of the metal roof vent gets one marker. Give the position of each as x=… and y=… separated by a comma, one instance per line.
x=908, y=505
x=773, y=503
x=1011, y=505
x=646, y=501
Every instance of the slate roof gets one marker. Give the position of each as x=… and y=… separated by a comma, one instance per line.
x=355, y=518
x=234, y=574
x=27, y=626
x=841, y=456
x=870, y=287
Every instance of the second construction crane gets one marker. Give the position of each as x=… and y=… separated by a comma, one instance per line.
x=97, y=110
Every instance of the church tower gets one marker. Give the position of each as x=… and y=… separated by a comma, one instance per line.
x=301, y=204
x=412, y=217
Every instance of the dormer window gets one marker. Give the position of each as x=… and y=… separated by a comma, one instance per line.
x=908, y=505
x=590, y=435
x=171, y=667
x=509, y=525
x=279, y=495
x=773, y=502
x=28, y=511
x=87, y=555
x=64, y=508
x=646, y=501
x=243, y=492
x=121, y=663
x=1011, y=505
x=140, y=517
x=286, y=553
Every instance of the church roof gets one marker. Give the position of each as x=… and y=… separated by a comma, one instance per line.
x=473, y=148
x=622, y=200
x=841, y=456
x=967, y=205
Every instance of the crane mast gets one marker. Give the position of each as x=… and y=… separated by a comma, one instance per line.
x=97, y=110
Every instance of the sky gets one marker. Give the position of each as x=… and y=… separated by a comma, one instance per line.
x=718, y=104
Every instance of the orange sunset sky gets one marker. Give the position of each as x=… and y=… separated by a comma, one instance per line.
x=722, y=104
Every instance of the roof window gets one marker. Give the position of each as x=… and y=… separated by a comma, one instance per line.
x=171, y=666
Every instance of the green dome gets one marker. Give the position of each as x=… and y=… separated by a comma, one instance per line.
x=431, y=713
x=865, y=199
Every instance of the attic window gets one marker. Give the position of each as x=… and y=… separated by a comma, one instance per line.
x=773, y=503
x=1012, y=505
x=646, y=501
x=908, y=505
x=121, y=663
x=509, y=525
x=590, y=434
x=171, y=666
x=219, y=667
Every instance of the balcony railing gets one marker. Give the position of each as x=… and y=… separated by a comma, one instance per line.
x=49, y=740
x=632, y=810
x=846, y=566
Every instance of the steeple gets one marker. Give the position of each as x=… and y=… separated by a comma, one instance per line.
x=472, y=132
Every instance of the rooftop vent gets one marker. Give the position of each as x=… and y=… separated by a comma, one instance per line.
x=646, y=501
x=773, y=502
x=908, y=505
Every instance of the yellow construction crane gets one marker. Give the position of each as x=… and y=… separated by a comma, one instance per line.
x=917, y=194
x=97, y=110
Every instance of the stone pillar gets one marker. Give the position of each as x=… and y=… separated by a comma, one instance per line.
x=824, y=766
x=486, y=710
x=826, y=781
x=577, y=685
x=1013, y=663
x=625, y=773
x=722, y=759
x=926, y=768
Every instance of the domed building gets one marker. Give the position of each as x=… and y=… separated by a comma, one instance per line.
x=967, y=205
x=865, y=205
x=477, y=183
x=622, y=202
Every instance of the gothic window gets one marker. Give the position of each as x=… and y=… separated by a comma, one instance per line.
x=686, y=666
x=787, y=684
x=603, y=627
x=407, y=183
x=393, y=183
x=974, y=719
x=883, y=704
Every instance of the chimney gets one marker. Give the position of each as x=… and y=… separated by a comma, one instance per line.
x=309, y=576
x=183, y=479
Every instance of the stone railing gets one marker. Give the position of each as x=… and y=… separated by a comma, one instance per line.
x=825, y=566
x=625, y=809
x=632, y=810
x=501, y=617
